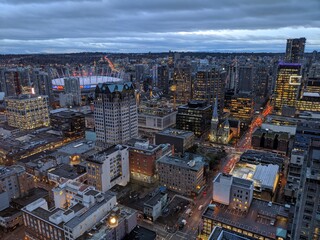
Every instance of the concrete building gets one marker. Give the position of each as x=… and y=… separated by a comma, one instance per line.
x=69, y=123
x=143, y=157
x=194, y=116
x=265, y=178
x=108, y=168
x=261, y=157
x=66, y=172
x=126, y=221
x=185, y=175
x=277, y=141
x=15, y=181
x=295, y=50
x=154, y=206
x=287, y=87
x=67, y=224
x=210, y=83
x=241, y=107
x=153, y=118
x=72, y=87
x=182, y=82
x=219, y=233
x=115, y=113
x=27, y=111
x=263, y=220
x=233, y=191
x=179, y=139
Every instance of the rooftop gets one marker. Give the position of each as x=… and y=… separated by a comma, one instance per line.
x=100, y=229
x=100, y=157
x=176, y=133
x=219, y=233
x=80, y=218
x=256, y=157
x=262, y=218
x=77, y=147
x=67, y=114
x=188, y=160
x=66, y=171
x=155, y=199
x=141, y=233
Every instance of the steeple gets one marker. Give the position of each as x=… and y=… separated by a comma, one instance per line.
x=215, y=110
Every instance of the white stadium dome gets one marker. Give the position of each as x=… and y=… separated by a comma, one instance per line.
x=87, y=82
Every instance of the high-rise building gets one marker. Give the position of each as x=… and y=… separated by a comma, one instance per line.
x=27, y=111
x=183, y=84
x=15, y=81
x=245, y=79
x=210, y=84
x=163, y=78
x=42, y=83
x=115, y=113
x=194, y=116
x=287, y=86
x=295, y=50
x=108, y=168
x=241, y=107
x=72, y=86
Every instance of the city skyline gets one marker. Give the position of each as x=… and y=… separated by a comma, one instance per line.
x=142, y=26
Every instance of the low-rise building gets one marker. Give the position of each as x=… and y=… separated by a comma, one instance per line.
x=66, y=224
x=260, y=157
x=182, y=174
x=108, y=168
x=263, y=220
x=180, y=139
x=233, y=191
x=69, y=123
x=16, y=181
x=65, y=172
x=265, y=178
x=143, y=157
x=118, y=223
x=154, y=206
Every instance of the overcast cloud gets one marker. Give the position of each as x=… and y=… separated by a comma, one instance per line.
x=37, y=26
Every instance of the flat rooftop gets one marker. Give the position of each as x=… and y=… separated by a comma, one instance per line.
x=172, y=132
x=219, y=233
x=78, y=219
x=77, y=147
x=189, y=161
x=99, y=157
x=256, y=157
x=264, y=176
x=66, y=171
x=141, y=233
x=155, y=199
x=100, y=229
x=257, y=220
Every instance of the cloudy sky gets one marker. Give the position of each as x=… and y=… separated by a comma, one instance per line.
x=54, y=26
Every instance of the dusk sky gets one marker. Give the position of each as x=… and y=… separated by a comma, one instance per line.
x=57, y=26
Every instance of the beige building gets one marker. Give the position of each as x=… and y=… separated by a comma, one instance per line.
x=184, y=175
x=27, y=111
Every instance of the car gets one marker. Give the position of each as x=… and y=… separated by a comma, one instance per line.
x=200, y=207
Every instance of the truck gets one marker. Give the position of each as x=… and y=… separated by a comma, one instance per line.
x=189, y=212
x=182, y=223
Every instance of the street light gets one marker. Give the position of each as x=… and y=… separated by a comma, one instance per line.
x=113, y=221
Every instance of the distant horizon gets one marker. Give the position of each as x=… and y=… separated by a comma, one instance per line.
x=163, y=52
